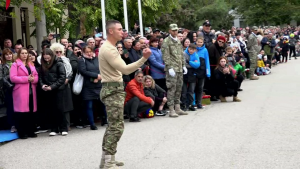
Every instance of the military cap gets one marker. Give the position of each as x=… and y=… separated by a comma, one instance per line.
x=173, y=27
x=254, y=27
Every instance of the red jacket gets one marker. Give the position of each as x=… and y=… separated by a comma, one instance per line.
x=135, y=88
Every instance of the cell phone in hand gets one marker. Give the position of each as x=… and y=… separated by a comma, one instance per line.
x=125, y=51
x=226, y=65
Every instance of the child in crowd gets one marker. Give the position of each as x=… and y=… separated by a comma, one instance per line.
x=237, y=67
x=190, y=79
x=203, y=71
x=285, y=48
x=267, y=64
x=277, y=54
x=260, y=66
x=230, y=57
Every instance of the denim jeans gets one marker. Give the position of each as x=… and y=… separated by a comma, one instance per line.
x=187, y=93
x=90, y=112
x=260, y=70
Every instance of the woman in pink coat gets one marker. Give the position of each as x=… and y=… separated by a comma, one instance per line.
x=25, y=77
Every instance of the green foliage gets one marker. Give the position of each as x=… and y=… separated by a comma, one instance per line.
x=268, y=12
x=85, y=15
x=192, y=13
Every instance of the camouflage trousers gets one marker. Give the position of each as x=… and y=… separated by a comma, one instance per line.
x=113, y=98
x=174, y=85
x=253, y=62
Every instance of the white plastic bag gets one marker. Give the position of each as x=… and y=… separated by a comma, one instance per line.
x=78, y=83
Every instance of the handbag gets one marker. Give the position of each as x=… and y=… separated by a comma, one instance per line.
x=78, y=83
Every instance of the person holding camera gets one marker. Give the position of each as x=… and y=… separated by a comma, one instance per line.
x=268, y=44
x=226, y=84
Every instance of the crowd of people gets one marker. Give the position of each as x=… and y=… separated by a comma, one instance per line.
x=184, y=65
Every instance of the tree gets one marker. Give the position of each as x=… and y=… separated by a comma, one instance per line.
x=192, y=13
x=268, y=12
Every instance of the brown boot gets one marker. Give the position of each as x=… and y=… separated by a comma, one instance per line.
x=179, y=111
x=118, y=163
x=107, y=162
x=236, y=99
x=223, y=99
x=172, y=112
x=254, y=78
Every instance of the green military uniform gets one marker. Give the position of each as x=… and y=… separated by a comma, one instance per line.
x=253, y=47
x=112, y=94
x=174, y=59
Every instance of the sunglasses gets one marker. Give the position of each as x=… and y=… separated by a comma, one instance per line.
x=57, y=52
x=221, y=42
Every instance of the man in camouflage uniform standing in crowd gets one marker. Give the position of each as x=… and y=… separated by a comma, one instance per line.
x=253, y=50
x=112, y=66
x=175, y=68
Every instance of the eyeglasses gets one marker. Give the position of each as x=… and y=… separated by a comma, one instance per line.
x=221, y=42
x=119, y=47
x=57, y=52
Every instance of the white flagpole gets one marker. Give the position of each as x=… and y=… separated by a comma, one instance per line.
x=125, y=14
x=140, y=18
x=103, y=18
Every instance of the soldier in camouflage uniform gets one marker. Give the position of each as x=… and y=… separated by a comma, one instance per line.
x=253, y=50
x=112, y=93
x=174, y=68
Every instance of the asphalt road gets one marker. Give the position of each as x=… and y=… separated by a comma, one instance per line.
x=261, y=132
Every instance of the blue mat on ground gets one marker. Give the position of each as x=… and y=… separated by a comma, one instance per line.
x=6, y=135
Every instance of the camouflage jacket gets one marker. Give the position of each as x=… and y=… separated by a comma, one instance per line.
x=172, y=54
x=252, y=44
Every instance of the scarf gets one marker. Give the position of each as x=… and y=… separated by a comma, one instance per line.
x=220, y=68
x=9, y=63
x=67, y=65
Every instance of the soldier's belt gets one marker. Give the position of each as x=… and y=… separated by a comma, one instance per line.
x=113, y=84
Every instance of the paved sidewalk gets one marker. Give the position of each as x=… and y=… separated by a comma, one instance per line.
x=261, y=132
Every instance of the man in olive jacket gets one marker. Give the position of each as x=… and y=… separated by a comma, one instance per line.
x=253, y=50
x=174, y=68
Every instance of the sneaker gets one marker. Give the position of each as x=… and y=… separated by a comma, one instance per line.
x=159, y=113
x=13, y=129
x=165, y=112
x=136, y=119
x=52, y=134
x=192, y=108
x=64, y=133
x=199, y=106
x=40, y=131
x=80, y=127
x=93, y=127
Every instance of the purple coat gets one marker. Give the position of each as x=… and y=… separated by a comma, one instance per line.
x=19, y=76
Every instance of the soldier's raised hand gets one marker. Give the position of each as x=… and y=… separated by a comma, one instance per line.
x=147, y=53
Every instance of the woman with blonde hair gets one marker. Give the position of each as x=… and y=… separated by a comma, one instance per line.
x=25, y=77
x=59, y=51
x=157, y=94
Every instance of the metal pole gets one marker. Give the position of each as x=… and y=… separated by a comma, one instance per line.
x=125, y=14
x=103, y=18
x=140, y=18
